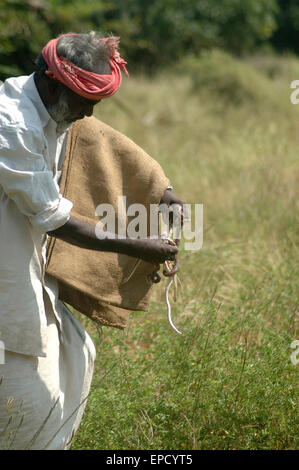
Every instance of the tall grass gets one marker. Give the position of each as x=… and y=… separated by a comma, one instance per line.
x=226, y=134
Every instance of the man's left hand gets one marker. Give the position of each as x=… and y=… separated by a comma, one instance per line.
x=169, y=198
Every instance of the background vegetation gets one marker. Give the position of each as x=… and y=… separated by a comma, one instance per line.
x=154, y=33
x=227, y=135
x=217, y=115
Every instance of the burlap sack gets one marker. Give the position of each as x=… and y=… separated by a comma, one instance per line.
x=100, y=165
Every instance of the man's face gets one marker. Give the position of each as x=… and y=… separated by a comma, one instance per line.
x=69, y=108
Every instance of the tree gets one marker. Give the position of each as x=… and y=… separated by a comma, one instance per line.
x=24, y=26
x=286, y=37
x=154, y=33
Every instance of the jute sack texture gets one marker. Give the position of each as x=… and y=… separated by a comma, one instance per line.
x=101, y=165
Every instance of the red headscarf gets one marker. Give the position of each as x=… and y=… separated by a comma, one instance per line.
x=90, y=85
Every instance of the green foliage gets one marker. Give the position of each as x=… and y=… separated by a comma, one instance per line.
x=286, y=37
x=76, y=15
x=154, y=33
x=159, y=32
x=24, y=27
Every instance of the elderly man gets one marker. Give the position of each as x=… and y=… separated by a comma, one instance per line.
x=49, y=357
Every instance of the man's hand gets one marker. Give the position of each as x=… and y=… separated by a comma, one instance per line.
x=169, y=198
x=83, y=234
x=151, y=250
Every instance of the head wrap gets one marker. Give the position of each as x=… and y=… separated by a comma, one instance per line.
x=90, y=85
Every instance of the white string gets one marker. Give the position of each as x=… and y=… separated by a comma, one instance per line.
x=169, y=306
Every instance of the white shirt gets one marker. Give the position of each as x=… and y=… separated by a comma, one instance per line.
x=30, y=206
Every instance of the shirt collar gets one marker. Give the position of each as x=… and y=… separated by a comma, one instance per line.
x=31, y=90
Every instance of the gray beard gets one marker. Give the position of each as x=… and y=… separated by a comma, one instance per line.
x=62, y=127
x=59, y=113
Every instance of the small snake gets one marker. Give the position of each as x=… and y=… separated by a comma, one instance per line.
x=170, y=270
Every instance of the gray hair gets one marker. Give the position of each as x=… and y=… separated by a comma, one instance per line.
x=84, y=50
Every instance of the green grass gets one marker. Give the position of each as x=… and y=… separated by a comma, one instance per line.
x=226, y=134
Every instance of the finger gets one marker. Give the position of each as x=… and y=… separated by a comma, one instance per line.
x=172, y=256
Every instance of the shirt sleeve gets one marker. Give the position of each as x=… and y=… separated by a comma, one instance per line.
x=26, y=180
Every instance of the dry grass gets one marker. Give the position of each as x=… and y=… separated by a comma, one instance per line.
x=228, y=382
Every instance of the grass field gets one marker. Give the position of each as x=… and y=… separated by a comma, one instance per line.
x=227, y=135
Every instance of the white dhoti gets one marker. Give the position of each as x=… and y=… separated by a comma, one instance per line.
x=42, y=399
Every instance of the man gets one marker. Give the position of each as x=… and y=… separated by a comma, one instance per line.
x=49, y=356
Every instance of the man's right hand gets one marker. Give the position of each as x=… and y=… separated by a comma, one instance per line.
x=82, y=234
x=154, y=251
